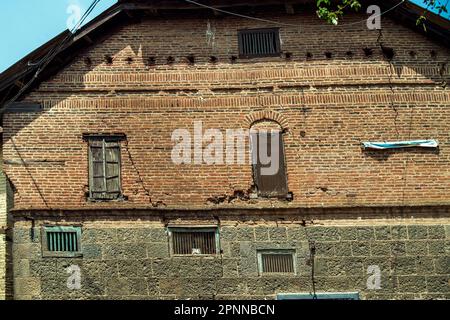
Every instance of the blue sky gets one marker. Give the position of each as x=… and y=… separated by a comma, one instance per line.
x=27, y=24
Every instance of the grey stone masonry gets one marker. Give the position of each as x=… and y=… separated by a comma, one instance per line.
x=133, y=262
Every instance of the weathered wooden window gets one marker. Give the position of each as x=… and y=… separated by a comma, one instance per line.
x=194, y=241
x=58, y=241
x=104, y=168
x=259, y=43
x=276, y=261
x=269, y=168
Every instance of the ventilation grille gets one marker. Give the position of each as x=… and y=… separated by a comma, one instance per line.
x=194, y=242
x=277, y=263
x=61, y=241
x=259, y=43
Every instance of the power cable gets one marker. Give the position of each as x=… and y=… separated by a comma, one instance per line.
x=312, y=259
x=282, y=23
x=72, y=31
x=45, y=61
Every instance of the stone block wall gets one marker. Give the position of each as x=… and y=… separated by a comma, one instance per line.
x=2, y=266
x=131, y=260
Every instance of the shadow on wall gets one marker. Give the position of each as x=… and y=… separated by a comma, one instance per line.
x=386, y=154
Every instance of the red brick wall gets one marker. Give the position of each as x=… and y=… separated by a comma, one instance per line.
x=327, y=106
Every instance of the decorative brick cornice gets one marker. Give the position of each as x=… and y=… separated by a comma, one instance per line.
x=184, y=103
x=230, y=77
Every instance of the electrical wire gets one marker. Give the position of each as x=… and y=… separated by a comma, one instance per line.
x=72, y=31
x=52, y=53
x=45, y=61
x=240, y=15
x=286, y=24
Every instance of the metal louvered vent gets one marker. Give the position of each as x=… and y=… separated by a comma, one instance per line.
x=277, y=263
x=61, y=241
x=259, y=43
x=196, y=242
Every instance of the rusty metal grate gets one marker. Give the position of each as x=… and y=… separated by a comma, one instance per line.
x=277, y=263
x=196, y=242
x=259, y=43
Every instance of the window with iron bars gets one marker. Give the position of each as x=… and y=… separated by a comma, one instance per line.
x=276, y=261
x=255, y=43
x=61, y=241
x=194, y=241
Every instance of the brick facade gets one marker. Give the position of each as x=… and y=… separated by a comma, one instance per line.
x=327, y=105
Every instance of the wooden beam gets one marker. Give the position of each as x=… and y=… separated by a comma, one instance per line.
x=58, y=59
x=129, y=13
x=181, y=5
x=152, y=11
x=95, y=25
x=289, y=8
x=19, y=83
x=88, y=39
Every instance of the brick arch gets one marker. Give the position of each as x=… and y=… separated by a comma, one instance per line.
x=266, y=125
x=267, y=115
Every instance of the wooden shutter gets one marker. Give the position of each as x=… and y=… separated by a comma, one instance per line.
x=269, y=185
x=112, y=159
x=104, y=169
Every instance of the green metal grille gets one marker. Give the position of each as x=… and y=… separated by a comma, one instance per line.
x=62, y=241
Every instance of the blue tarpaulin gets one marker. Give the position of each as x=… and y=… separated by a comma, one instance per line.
x=401, y=144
